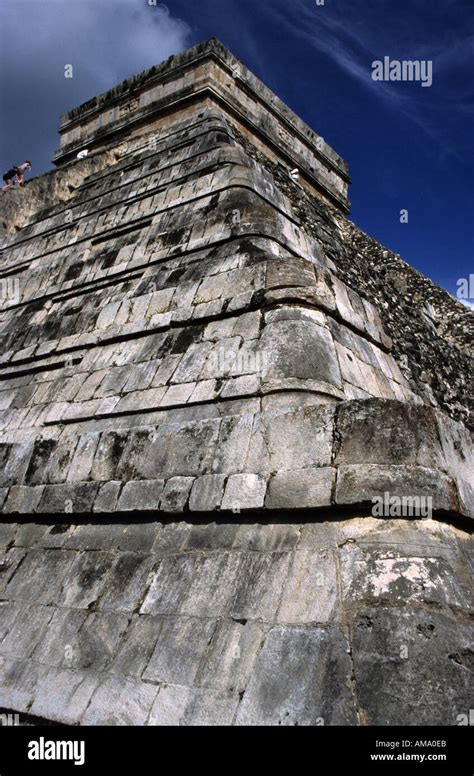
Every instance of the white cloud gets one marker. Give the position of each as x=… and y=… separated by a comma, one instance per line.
x=105, y=40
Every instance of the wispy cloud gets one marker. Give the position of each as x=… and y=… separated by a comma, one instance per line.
x=354, y=40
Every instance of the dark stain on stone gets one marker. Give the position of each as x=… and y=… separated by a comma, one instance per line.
x=59, y=528
x=42, y=451
x=73, y=271
x=464, y=658
x=186, y=337
x=426, y=629
x=365, y=622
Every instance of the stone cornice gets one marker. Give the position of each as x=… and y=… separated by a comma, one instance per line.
x=181, y=81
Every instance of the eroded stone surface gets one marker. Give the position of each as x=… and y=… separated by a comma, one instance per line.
x=241, y=624
x=206, y=373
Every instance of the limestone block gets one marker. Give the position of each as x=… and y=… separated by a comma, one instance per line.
x=240, y=301
x=90, y=385
x=72, y=497
x=300, y=350
x=170, y=539
x=457, y=447
x=84, y=580
x=387, y=432
x=141, y=495
x=127, y=582
x=292, y=313
x=193, y=585
x=176, y=705
x=19, y=682
x=137, y=646
x=96, y=643
x=140, y=377
x=3, y=496
x=208, y=309
x=244, y=491
x=344, y=307
x=83, y=457
x=189, y=448
x=8, y=612
x=175, y=494
x=231, y=655
x=259, y=585
x=137, y=537
x=302, y=677
x=88, y=536
x=107, y=315
x=206, y=494
x=22, y=499
x=114, y=381
x=166, y=369
x=310, y=593
x=192, y=363
x=221, y=329
x=360, y=483
x=241, y=386
x=211, y=536
x=120, y=702
x=232, y=444
x=109, y=451
x=398, y=574
x=56, y=536
x=397, y=649
x=177, y=394
x=276, y=443
x=27, y=630
x=9, y=533
x=107, y=496
x=181, y=644
x=289, y=272
x=246, y=326
x=301, y=488
x=57, y=647
x=205, y=390
x=262, y=537
x=14, y=462
x=9, y=562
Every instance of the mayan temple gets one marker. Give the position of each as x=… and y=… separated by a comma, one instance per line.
x=235, y=469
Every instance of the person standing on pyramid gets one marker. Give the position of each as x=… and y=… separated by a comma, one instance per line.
x=17, y=172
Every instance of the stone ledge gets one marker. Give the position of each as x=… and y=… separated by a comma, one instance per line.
x=217, y=623
x=158, y=463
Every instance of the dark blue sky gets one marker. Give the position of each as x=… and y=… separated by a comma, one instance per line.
x=408, y=147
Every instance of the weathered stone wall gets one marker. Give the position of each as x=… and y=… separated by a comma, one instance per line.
x=324, y=622
x=199, y=363
x=116, y=365
x=22, y=205
x=431, y=331
x=211, y=75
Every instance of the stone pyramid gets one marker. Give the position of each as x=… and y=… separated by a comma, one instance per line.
x=209, y=377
